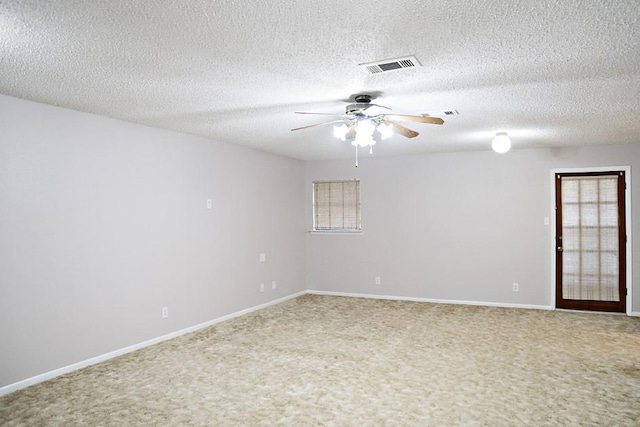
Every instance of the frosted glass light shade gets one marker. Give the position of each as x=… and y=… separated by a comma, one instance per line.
x=340, y=132
x=501, y=143
x=385, y=130
x=363, y=140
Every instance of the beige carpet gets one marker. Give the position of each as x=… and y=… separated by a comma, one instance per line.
x=336, y=361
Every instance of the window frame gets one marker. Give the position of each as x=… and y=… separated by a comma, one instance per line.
x=358, y=209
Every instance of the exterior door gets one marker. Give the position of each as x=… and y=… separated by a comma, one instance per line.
x=590, y=241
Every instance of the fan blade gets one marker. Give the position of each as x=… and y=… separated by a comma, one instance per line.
x=319, y=124
x=375, y=105
x=406, y=132
x=419, y=119
x=318, y=114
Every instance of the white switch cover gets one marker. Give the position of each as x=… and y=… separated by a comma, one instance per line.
x=273, y=284
x=546, y=220
x=263, y=257
x=261, y=287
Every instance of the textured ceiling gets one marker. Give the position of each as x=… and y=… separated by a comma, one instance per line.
x=551, y=73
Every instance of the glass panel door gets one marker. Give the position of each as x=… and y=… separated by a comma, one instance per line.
x=590, y=241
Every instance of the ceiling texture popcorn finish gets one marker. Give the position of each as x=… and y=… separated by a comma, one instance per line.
x=550, y=73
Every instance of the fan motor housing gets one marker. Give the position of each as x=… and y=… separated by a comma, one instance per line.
x=354, y=108
x=362, y=102
x=364, y=99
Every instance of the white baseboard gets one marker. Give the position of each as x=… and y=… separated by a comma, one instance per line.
x=443, y=301
x=104, y=357
x=438, y=301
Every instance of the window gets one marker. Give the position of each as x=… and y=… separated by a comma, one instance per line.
x=336, y=206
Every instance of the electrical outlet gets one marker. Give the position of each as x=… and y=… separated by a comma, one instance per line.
x=378, y=280
x=273, y=284
x=209, y=203
x=516, y=287
x=263, y=257
x=261, y=287
x=165, y=312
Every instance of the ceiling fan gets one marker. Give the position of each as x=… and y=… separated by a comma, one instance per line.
x=361, y=119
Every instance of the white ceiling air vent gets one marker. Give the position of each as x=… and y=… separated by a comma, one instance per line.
x=390, y=65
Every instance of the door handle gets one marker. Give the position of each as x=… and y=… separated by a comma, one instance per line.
x=560, y=249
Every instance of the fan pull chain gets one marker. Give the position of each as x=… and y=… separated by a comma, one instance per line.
x=356, y=165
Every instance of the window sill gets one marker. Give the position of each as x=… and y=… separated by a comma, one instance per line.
x=336, y=232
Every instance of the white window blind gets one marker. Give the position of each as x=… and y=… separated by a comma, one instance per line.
x=336, y=206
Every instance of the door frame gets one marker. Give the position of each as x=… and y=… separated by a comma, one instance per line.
x=552, y=228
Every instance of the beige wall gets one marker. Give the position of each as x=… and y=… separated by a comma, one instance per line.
x=461, y=226
x=103, y=223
